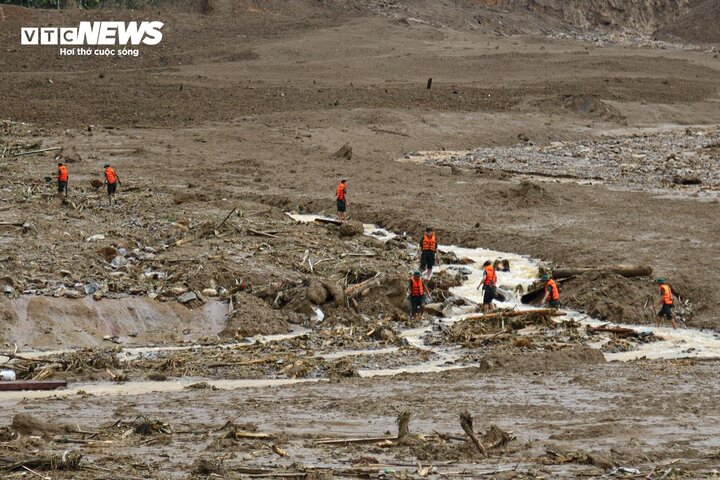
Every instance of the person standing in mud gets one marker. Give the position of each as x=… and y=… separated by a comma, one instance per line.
x=489, y=286
x=428, y=249
x=112, y=180
x=341, y=199
x=416, y=293
x=665, y=304
x=62, y=179
x=552, y=294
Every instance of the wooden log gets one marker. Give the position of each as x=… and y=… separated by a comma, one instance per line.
x=516, y=313
x=264, y=234
x=33, y=152
x=624, y=270
x=358, y=289
x=622, y=331
x=32, y=385
x=330, y=221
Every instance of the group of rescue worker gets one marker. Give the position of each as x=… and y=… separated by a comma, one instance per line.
x=112, y=180
x=427, y=250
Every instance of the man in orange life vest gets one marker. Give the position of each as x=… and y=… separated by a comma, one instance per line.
x=62, y=178
x=416, y=290
x=428, y=248
x=489, y=285
x=112, y=181
x=341, y=199
x=552, y=294
x=666, y=303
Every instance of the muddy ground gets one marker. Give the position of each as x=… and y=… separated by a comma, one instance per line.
x=243, y=106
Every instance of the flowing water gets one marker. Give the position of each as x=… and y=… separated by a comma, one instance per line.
x=679, y=343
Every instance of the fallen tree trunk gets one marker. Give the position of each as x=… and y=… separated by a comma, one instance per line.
x=516, y=313
x=624, y=270
x=621, y=331
x=358, y=289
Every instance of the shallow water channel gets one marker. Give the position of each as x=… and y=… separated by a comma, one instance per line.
x=679, y=343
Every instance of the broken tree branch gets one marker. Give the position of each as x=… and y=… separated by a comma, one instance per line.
x=264, y=234
x=226, y=218
x=466, y=422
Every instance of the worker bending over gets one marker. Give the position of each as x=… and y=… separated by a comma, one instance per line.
x=552, y=294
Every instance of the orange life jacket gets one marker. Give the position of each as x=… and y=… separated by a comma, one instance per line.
x=490, y=276
x=110, y=175
x=417, y=287
x=62, y=174
x=554, y=292
x=429, y=243
x=666, y=293
x=340, y=191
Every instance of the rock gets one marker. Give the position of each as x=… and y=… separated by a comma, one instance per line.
x=316, y=292
x=177, y=291
x=434, y=309
x=187, y=297
x=600, y=460
x=72, y=294
x=95, y=238
x=98, y=295
x=210, y=292
x=118, y=262
x=108, y=253
x=351, y=229
x=344, y=152
x=91, y=288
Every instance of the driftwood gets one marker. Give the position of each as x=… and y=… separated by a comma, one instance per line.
x=361, y=288
x=466, y=422
x=624, y=270
x=330, y=221
x=622, y=331
x=33, y=152
x=264, y=234
x=403, y=423
x=551, y=312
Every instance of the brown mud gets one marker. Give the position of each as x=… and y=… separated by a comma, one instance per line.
x=240, y=111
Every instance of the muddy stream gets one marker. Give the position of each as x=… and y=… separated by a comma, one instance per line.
x=679, y=343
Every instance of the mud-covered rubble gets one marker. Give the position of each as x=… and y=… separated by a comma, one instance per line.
x=684, y=162
x=530, y=333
